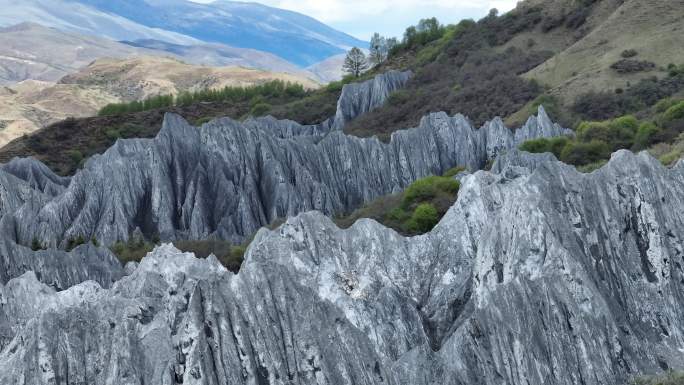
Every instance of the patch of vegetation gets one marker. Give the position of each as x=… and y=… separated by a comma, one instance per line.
x=674, y=112
x=414, y=211
x=72, y=243
x=595, y=141
x=126, y=130
x=37, y=245
x=628, y=53
x=59, y=144
x=272, y=89
x=628, y=66
x=133, y=250
x=669, y=378
x=644, y=94
x=151, y=103
x=416, y=36
x=459, y=70
x=669, y=153
x=230, y=256
x=452, y=172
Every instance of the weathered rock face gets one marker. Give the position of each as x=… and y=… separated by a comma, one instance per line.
x=359, y=98
x=37, y=175
x=537, y=275
x=355, y=100
x=228, y=179
x=60, y=269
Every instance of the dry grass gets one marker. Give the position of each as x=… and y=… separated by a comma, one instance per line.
x=30, y=105
x=651, y=27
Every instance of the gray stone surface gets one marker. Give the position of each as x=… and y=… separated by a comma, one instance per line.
x=537, y=275
x=359, y=98
x=228, y=179
x=37, y=175
x=60, y=269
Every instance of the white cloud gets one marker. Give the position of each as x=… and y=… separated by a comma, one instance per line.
x=389, y=17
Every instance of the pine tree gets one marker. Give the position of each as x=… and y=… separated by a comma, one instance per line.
x=355, y=62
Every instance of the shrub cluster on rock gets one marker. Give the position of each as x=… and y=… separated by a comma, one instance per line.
x=595, y=141
x=669, y=378
x=414, y=211
x=136, y=248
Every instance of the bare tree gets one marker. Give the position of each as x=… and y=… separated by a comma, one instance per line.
x=355, y=63
x=378, y=49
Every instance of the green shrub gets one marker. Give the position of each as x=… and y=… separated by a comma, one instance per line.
x=670, y=158
x=582, y=153
x=260, y=109
x=112, y=134
x=644, y=135
x=76, y=156
x=36, y=244
x=541, y=145
x=675, y=112
x=629, y=53
x=416, y=210
x=618, y=132
x=335, y=86
x=273, y=89
x=428, y=188
x=452, y=172
x=398, y=98
x=424, y=218
x=72, y=243
x=228, y=254
x=669, y=378
x=664, y=105
x=592, y=166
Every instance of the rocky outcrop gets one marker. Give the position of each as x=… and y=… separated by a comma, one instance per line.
x=360, y=98
x=37, y=175
x=355, y=100
x=227, y=179
x=60, y=269
x=537, y=275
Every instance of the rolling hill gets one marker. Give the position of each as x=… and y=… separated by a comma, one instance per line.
x=645, y=31
x=30, y=105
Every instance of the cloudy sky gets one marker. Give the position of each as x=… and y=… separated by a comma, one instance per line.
x=389, y=17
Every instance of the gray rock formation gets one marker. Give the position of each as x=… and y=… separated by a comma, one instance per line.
x=228, y=179
x=30, y=193
x=359, y=98
x=355, y=100
x=37, y=175
x=60, y=269
x=537, y=275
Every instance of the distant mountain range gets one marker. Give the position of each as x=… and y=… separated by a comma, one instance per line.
x=32, y=51
x=297, y=38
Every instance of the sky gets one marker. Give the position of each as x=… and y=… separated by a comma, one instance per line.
x=360, y=18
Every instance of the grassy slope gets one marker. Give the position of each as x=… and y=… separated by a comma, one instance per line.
x=653, y=28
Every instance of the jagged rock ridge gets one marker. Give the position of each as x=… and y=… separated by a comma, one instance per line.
x=228, y=179
x=537, y=275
